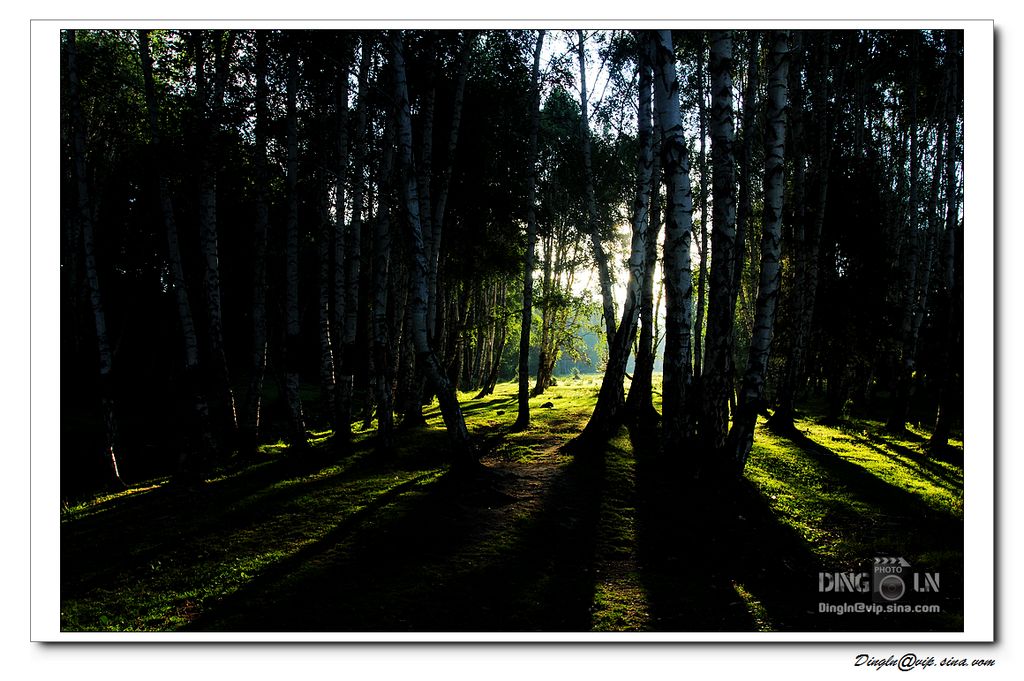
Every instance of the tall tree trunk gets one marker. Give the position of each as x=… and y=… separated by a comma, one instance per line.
x=744, y=208
x=545, y=361
x=86, y=230
x=678, y=236
x=209, y=122
x=608, y=410
x=382, y=357
x=292, y=351
x=463, y=455
x=523, y=419
x=639, y=401
x=258, y=357
x=795, y=285
x=717, y=366
x=702, y=273
x=353, y=246
x=444, y=179
x=600, y=258
x=498, y=347
x=433, y=213
x=325, y=286
x=190, y=463
x=341, y=400
x=950, y=396
x=907, y=360
x=741, y=437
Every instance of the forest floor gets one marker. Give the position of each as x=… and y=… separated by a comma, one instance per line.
x=618, y=540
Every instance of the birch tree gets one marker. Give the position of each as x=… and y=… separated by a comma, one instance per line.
x=293, y=401
x=209, y=106
x=717, y=366
x=608, y=410
x=463, y=456
x=250, y=421
x=676, y=424
x=600, y=258
x=353, y=245
x=741, y=436
x=190, y=463
x=84, y=218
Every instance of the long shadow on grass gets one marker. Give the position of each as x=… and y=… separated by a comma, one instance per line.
x=910, y=509
x=131, y=533
x=913, y=461
x=450, y=558
x=897, y=523
x=715, y=557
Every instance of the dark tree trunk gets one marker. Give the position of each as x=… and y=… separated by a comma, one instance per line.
x=350, y=356
x=190, y=463
x=523, y=419
x=716, y=382
x=292, y=351
x=258, y=355
x=341, y=399
x=84, y=219
x=907, y=360
x=950, y=406
x=209, y=123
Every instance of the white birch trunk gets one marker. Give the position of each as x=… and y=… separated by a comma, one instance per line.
x=353, y=242
x=451, y=412
x=608, y=410
x=600, y=258
x=678, y=238
x=209, y=113
x=340, y=402
x=741, y=437
x=702, y=199
x=258, y=357
x=296, y=421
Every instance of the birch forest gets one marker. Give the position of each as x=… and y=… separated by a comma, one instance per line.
x=555, y=330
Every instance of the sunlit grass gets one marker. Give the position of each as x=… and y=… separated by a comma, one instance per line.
x=850, y=492
x=840, y=513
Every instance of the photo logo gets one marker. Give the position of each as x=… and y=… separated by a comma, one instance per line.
x=894, y=587
x=887, y=583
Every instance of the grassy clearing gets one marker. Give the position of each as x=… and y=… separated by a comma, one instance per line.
x=854, y=491
x=610, y=542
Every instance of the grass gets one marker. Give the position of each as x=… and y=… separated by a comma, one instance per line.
x=613, y=542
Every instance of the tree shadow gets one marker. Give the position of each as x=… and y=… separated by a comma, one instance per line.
x=886, y=520
x=705, y=548
x=458, y=556
x=716, y=555
x=888, y=498
x=912, y=461
x=128, y=534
